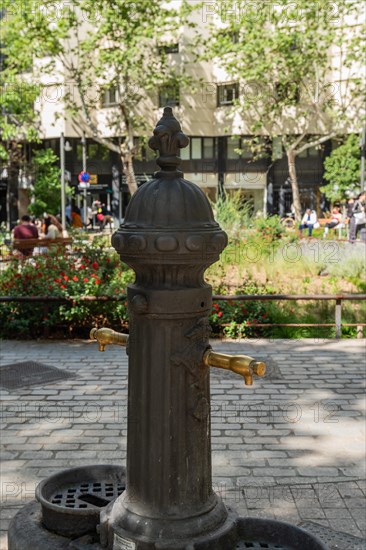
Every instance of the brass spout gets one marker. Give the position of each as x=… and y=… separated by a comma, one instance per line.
x=241, y=364
x=106, y=336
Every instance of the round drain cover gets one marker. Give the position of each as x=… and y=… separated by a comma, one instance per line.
x=258, y=533
x=71, y=500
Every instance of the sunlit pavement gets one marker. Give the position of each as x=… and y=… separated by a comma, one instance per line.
x=289, y=447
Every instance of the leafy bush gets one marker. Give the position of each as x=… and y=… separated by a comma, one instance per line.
x=237, y=319
x=46, y=192
x=233, y=214
x=91, y=271
x=270, y=228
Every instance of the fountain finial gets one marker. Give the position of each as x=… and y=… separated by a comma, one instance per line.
x=168, y=138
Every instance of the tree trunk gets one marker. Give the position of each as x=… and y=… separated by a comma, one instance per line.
x=291, y=157
x=127, y=162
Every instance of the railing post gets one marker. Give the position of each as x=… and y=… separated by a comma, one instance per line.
x=338, y=318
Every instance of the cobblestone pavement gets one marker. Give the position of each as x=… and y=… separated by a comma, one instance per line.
x=290, y=447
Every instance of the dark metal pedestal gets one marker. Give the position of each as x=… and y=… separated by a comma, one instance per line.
x=169, y=237
x=26, y=532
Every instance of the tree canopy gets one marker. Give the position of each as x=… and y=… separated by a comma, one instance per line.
x=299, y=68
x=343, y=170
x=101, y=53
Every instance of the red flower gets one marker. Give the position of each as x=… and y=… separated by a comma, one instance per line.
x=66, y=278
x=63, y=286
x=219, y=314
x=75, y=278
x=95, y=265
x=82, y=266
x=85, y=279
x=97, y=282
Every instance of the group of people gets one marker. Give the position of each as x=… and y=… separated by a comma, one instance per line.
x=355, y=215
x=49, y=227
x=97, y=214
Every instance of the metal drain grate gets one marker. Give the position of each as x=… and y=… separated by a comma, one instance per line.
x=256, y=545
x=87, y=495
x=334, y=540
x=29, y=373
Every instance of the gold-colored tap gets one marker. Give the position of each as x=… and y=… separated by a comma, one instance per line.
x=241, y=364
x=106, y=336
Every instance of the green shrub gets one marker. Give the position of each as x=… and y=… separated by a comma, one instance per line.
x=91, y=271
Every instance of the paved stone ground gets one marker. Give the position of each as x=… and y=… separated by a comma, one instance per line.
x=290, y=447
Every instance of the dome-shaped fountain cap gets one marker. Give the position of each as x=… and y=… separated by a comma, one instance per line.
x=168, y=138
x=169, y=215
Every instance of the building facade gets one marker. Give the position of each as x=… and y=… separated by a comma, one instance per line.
x=218, y=159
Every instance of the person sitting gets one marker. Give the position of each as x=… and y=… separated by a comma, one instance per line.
x=107, y=217
x=25, y=230
x=53, y=228
x=76, y=220
x=335, y=219
x=308, y=221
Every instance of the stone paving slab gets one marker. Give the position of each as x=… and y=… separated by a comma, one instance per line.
x=290, y=447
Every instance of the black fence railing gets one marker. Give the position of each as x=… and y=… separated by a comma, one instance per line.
x=337, y=298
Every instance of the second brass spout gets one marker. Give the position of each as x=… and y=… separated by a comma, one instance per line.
x=106, y=336
x=240, y=364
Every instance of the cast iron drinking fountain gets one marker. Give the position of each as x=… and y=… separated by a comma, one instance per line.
x=164, y=499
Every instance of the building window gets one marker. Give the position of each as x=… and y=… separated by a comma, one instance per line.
x=169, y=96
x=277, y=148
x=241, y=147
x=171, y=48
x=110, y=97
x=95, y=151
x=208, y=146
x=196, y=152
x=310, y=152
x=232, y=145
x=227, y=93
x=185, y=153
x=199, y=148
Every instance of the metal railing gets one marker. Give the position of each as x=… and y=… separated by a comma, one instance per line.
x=337, y=298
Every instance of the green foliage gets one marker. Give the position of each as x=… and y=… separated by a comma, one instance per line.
x=270, y=228
x=91, y=271
x=94, y=270
x=238, y=319
x=123, y=39
x=343, y=170
x=280, y=56
x=233, y=214
x=46, y=191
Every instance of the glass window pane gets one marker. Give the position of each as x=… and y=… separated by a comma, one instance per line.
x=277, y=152
x=93, y=150
x=246, y=152
x=313, y=152
x=196, y=148
x=208, y=148
x=227, y=93
x=232, y=144
x=169, y=95
x=184, y=153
